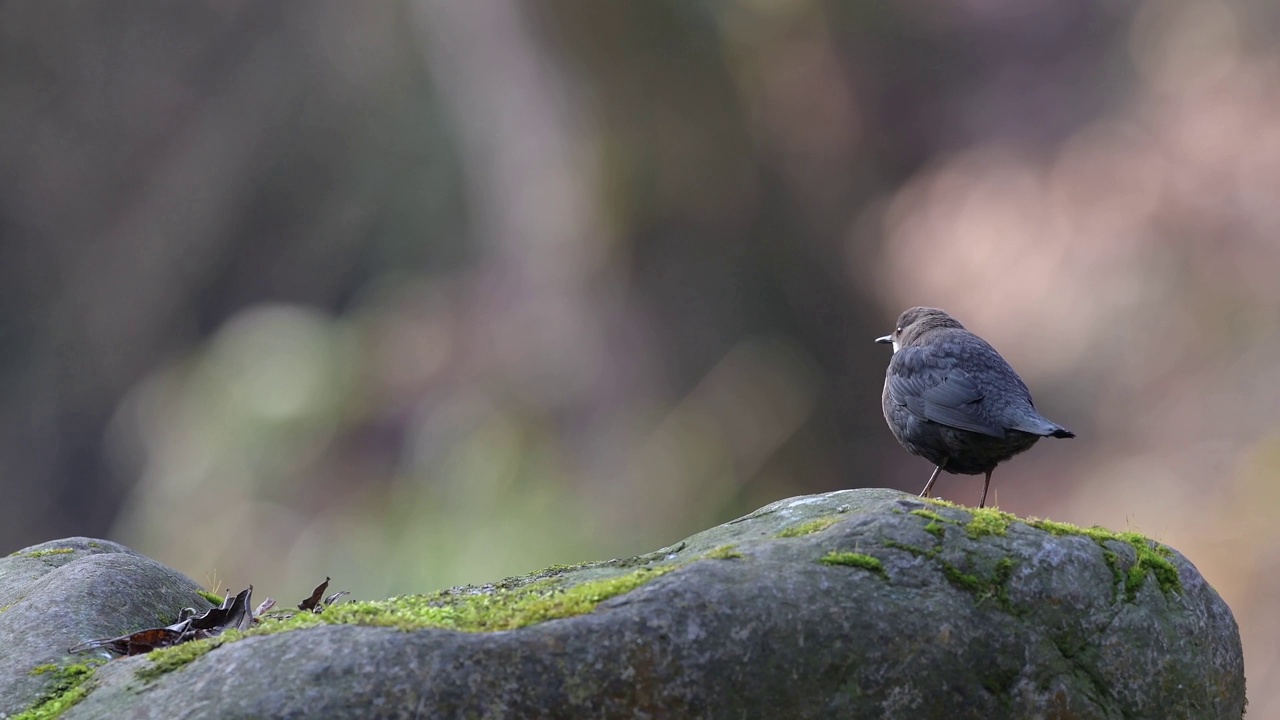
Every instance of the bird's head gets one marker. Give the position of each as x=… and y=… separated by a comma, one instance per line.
x=915, y=323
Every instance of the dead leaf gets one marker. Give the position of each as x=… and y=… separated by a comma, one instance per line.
x=314, y=603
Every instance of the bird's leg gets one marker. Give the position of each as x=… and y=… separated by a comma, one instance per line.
x=929, y=485
x=986, y=484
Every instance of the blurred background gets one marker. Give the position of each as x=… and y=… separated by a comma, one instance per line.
x=419, y=293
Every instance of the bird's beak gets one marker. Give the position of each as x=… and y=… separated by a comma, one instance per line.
x=886, y=340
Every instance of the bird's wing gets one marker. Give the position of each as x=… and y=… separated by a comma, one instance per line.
x=931, y=390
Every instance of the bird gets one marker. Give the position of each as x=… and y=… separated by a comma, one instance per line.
x=951, y=399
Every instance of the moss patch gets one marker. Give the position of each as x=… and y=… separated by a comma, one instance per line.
x=724, y=552
x=468, y=609
x=550, y=574
x=506, y=610
x=46, y=553
x=995, y=586
x=1154, y=562
x=808, y=528
x=214, y=598
x=858, y=560
x=917, y=551
x=1000, y=583
x=988, y=521
x=935, y=526
x=982, y=521
x=931, y=515
x=70, y=685
x=168, y=659
x=965, y=581
x=1151, y=559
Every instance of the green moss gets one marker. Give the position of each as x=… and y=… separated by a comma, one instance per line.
x=724, y=552
x=528, y=605
x=46, y=553
x=1113, y=562
x=936, y=522
x=965, y=581
x=70, y=685
x=917, y=551
x=467, y=609
x=553, y=570
x=808, y=528
x=982, y=521
x=1151, y=560
x=171, y=658
x=214, y=598
x=1000, y=583
x=988, y=521
x=858, y=560
x=1053, y=527
x=995, y=587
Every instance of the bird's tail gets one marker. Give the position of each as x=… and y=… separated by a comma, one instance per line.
x=1044, y=427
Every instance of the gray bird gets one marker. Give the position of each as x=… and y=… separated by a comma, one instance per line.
x=951, y=399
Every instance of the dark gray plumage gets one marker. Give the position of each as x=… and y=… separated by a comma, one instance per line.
x=951, y=399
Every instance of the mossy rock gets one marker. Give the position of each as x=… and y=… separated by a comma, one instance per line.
x=861, y=603
x=65, y=592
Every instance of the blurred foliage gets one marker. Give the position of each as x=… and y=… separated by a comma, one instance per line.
x=427, y=292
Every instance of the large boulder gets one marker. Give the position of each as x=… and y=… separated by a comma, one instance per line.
x=56, y=594
x=853, y=604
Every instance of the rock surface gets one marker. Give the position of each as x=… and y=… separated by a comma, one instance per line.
x=853, y=604
x=61, y=593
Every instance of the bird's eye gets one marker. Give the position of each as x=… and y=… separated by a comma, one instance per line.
x=898, y=331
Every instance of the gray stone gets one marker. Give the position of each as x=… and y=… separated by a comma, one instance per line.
x=62, y=593
x=899, y=608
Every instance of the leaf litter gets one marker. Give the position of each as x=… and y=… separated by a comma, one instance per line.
x=232, y=614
